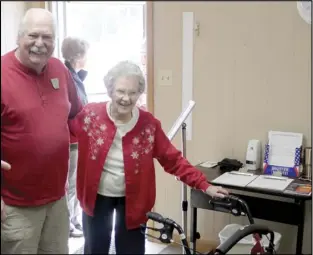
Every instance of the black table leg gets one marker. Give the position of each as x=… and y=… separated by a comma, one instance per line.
x=300, y=231
x=193, y=230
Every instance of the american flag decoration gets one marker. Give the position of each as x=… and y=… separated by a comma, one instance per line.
x=286, y=171
x=297, y=160
x=266, y=152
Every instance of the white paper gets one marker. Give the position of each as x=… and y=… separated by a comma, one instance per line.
x=208, y=164
x=187, y=66
x=283, y=147
x=235, y=178
x=270, y=182
x=285, y=138
x=181, y=119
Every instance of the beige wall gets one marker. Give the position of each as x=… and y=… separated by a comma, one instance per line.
x=31, y=4
x=252, y=74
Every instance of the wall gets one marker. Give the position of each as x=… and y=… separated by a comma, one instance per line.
x=11, y=13
x=31, y=4
x=252, y=74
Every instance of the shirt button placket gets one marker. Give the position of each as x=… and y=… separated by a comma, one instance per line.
x=41, y=93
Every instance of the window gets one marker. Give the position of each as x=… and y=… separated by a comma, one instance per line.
x=115, y=31
x=11, y=14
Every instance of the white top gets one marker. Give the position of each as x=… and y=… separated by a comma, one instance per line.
x=112, y=182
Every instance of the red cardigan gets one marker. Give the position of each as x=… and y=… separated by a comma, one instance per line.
x=146, y=141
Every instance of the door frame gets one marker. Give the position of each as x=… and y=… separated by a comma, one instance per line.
x=150, y=75
x=150, y=56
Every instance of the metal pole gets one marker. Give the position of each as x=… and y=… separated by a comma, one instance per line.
x=184, y=187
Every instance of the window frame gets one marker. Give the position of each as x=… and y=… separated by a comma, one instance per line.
x=58, y=9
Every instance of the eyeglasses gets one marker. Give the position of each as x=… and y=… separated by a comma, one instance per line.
x=130, y=94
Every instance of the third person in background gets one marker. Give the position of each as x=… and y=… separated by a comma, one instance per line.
x=74, y=52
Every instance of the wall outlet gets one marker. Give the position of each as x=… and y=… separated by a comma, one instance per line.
x=165, y=78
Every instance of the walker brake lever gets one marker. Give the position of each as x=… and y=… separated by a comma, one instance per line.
x=221, y=204
x=237, y=208
x=144, y=227
x=166, y=233
x=228, y=204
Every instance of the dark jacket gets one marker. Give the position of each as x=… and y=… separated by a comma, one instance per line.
x=78, y=79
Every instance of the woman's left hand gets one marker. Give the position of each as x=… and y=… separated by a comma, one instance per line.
x=216, y=191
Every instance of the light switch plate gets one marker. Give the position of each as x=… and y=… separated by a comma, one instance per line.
x=165, y=78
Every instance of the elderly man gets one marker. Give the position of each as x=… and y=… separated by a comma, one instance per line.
x=38, y=96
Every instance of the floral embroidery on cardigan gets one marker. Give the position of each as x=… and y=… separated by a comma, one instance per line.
x=95, y=131
x=143, y=144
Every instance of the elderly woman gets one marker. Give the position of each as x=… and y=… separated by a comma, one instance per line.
x=117, y=145
x=74, y=51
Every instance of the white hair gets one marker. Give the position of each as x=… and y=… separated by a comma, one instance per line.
x=74, y=48
x=124, y=69
x=35, y=13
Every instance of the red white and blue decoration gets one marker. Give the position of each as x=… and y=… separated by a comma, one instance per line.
x=292, y=172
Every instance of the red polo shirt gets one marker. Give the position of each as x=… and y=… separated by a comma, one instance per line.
x=34, y=130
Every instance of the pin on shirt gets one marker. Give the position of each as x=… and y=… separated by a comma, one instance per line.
x=55, y=83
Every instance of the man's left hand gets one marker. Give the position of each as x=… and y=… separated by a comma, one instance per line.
x=5, y=165
x=216, y=192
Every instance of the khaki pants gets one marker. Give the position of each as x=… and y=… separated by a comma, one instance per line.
x=72, y=201
x=36, y=230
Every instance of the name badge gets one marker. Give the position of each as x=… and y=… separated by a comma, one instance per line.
x=55, y=83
